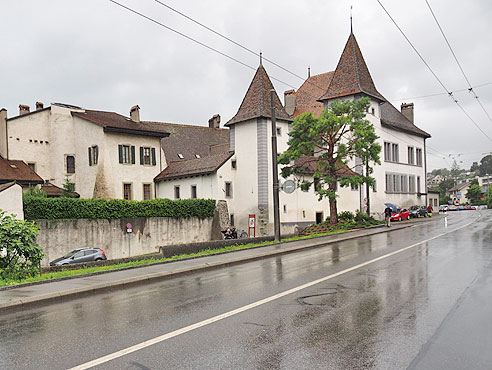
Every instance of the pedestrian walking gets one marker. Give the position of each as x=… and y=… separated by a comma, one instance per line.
x=429, y=210
x=387, y=216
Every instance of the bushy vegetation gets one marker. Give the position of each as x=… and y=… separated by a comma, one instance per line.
x=19, y=254
x=346, y=221
x=36, y=208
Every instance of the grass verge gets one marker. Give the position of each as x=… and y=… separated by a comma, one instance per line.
x=88, y=270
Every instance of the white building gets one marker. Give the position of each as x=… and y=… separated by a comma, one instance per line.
x=401, y=177
x=105, y=154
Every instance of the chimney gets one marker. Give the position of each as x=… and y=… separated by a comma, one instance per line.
x=214, y=122
x=23, y=109
x=135, y=113
x=407, y=111
x=290, y=101
x=39, y=105
x=3, y=133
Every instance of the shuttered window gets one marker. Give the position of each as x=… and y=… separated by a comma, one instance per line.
x=126, y=154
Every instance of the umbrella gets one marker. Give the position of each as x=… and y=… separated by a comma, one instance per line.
x=392, y=206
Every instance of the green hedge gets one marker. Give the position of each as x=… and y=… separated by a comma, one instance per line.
x=36, y=208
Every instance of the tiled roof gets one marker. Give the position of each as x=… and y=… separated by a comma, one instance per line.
x=257, y=101
x=308, y=166
x=53, y=191
x=193, y=167
x=392, y=117
x=6, y=185
x=115, y=122
x=309, y=92
x=459, y=187
x=190, y=140
x=18, y=171
x=351, y=75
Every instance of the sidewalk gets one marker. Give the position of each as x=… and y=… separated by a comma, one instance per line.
x=59, y=290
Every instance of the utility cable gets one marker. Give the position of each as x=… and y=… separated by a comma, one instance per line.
x=450, y=93
x=470, y=88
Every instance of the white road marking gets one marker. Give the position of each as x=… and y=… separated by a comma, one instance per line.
x=239, y=310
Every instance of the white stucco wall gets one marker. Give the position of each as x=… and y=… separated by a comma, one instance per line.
x=206, y=187
x=11, y=201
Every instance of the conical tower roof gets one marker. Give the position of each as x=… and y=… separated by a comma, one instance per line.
x=257, y=102
x=351, y=75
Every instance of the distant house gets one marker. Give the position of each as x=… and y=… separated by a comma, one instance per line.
x=458, y=192
x=105, y=154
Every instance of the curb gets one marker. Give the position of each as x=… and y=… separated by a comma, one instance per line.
x=78, y=292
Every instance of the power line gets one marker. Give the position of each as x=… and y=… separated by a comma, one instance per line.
x=450, y=94
x=195, y=41
x=470, y=88
x=439, y=94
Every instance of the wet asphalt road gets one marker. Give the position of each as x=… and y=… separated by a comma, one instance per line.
x=428, y=307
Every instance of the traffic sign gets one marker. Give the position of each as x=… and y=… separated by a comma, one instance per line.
x=289, y=186
x=129, y=227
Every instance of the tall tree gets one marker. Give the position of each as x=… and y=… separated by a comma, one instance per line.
x=324, y=147
x=474, y=167
x=486, y=165
x=474, y=193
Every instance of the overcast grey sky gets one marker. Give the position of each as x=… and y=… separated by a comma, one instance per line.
x=96, y=55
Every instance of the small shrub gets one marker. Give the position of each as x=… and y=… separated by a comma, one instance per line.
x=361, y=216
x=346, y=216
x=19, y=254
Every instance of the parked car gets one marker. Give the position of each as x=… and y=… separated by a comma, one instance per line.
x=402, y=214
x=443, y=208
x=80, y=255
x=418, y=211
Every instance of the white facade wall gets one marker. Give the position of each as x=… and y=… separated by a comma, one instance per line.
x=206, y=187
x=11, y=201
x=29, y=139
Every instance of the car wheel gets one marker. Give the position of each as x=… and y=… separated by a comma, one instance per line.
x=98, y=259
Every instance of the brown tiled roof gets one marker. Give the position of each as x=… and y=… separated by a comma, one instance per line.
x=53, y=191
x=193, y=167
x=309, y=92
x=351, y=75
x=308, y=166
x=6, y=185
x=189, y=140
x=392, y=117
x=459, y=186
x=18, y=171
x=257, y=101
x=114, y=122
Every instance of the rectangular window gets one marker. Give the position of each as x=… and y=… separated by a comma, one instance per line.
x=70, y=164
x=147, y=192
x=404, y=183
x=387, y=151
x=411, y=183
x=285, y=208
x=233, y=164
x=93, y=155
x=395, y=155
x=418, y=184
x=32, y=166
x=176, y=192
x=228, y=189
x=145, y=155
x=410, y=155
x=193, y=191
x=125, y=154
x=127, y=191
x=419, y=157
x=232, y=219
x=388, y=182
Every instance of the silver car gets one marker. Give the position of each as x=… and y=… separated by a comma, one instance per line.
x=80, y=255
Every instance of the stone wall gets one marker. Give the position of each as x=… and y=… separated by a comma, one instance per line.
x=148, y=234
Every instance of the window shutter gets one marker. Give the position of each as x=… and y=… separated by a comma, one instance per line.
x=133, y=154
x=153, y=156
x=96, y=154
x=141, y=155
x=120, y=152
x=90, y=156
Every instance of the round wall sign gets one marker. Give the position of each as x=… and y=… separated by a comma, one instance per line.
x=289, y=186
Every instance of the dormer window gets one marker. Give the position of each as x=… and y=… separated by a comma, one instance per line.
x=180, y=156
x=197, y=156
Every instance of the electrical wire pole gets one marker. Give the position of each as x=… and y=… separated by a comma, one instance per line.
x=367, y=190
x=276, y=210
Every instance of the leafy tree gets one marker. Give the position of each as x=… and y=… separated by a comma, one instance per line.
x=488, y=197
x=34, y=192
x=19, y=254
x=474, y=167
x=474, y=192
x=486, y=165
x=445, y=185
x=68, y=188
x=325, y=145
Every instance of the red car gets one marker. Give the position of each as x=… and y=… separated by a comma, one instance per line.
x=402, y=214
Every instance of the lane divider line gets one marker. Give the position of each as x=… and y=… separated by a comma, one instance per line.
x=250, y=306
